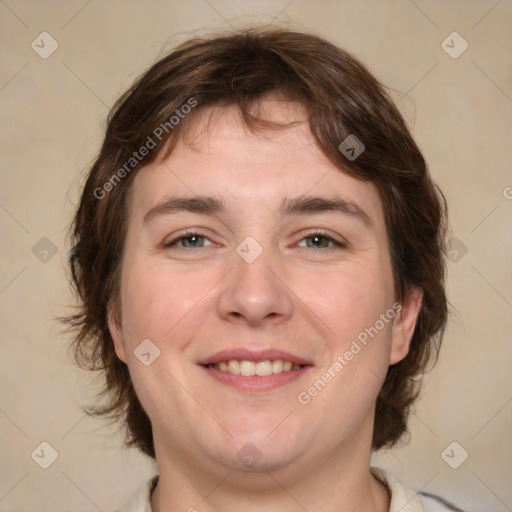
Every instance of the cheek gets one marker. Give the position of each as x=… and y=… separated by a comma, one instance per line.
x=157, y=299
x=350, y=301
x=162, y=305
x=347, y=299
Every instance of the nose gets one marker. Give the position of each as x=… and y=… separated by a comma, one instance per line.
x=255, y=293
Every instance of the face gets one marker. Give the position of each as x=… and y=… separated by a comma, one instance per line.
x=256, y=268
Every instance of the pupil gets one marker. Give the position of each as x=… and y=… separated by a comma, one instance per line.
x=193, y=239
x=316, y=240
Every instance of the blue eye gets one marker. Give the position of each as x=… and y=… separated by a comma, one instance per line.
x=190, y=240
x=195, y=240
x=320, y=240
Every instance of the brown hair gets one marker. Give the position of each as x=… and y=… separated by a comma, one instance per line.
x=341, y=98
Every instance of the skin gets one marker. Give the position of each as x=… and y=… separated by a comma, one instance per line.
x=199, y=296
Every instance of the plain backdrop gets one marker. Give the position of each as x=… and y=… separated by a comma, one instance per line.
x=52, y=112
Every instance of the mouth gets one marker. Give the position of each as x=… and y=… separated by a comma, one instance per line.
x=255, y=372
x=259, y=368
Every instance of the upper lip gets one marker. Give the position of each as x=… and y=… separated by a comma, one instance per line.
x=241, y=354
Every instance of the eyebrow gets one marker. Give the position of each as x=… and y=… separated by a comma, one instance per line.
x=301, y=205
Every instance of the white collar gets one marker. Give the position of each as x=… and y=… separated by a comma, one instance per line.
x=403, y=498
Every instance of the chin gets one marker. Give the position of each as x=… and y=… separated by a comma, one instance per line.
x=252, y=458
x=263, y=450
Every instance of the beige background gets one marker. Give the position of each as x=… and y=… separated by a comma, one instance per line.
x=52, y=112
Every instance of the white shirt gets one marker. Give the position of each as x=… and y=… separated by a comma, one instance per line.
x=403, y=498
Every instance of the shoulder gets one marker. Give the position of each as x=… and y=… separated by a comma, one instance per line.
x=434, y=503
x=405, y=499
x=142, y=500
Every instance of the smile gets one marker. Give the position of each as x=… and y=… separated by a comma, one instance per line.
x=259, y=368
x=253, y=371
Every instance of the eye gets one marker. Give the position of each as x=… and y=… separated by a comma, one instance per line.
x=189, y=240
x=320, y=240
x=197, y=240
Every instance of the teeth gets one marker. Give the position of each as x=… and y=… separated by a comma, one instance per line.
x=247, y=368
x=277, y=366
x=260, y=368
x=263, y=368
x=233, y=367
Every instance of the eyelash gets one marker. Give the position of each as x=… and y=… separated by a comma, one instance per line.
x=318, y=233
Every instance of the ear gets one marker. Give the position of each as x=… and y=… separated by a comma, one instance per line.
x=116, y=332
x=404, y=324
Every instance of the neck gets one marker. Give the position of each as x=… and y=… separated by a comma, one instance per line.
x=339, y=482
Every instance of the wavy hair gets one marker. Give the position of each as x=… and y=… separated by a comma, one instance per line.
x=341, y=97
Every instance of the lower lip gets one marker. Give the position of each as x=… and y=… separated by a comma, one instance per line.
x=255, y=383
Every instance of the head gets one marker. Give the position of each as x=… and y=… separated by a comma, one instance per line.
x=264, y=121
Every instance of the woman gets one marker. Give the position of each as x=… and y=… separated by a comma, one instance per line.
x=259, y=252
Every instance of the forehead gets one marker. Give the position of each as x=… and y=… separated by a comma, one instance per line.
x=220, y=128
x=219, y=155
